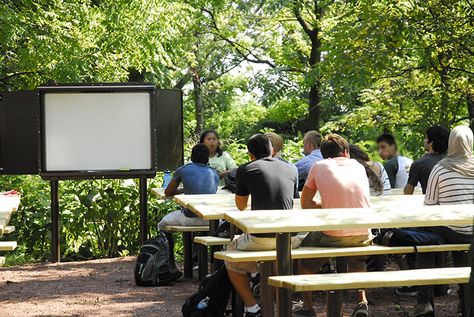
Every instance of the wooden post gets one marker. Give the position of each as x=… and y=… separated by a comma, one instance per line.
x=55, y=243
x=470, y=290
x=283, y=267
x=143, y=209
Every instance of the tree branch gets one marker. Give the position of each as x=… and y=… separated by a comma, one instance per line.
x=301, y=21
x=6, y=78
x=401, y=72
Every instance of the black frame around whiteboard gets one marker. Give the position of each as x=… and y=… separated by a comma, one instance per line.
x=99, y=88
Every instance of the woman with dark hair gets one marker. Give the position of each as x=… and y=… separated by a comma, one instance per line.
x=219, y=160
x=378, y=178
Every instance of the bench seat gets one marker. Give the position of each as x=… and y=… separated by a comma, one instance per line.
x=344, y=281
x=7, y=245
x=7, y=229
x=186, y=228
x=211, y=240
x=316, y=252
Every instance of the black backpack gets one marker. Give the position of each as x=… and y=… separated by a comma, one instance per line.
x=229, y=180
x=216, y=287
x=152, y=268
x=407, y=237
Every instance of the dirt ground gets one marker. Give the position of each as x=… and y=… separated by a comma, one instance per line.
x=106, y=288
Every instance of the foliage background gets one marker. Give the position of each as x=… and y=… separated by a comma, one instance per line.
x=357, y=68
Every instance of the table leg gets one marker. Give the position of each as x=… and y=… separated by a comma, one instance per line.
x=55, y=244
x=203, y=265
x=266, y=292
x=188, y=254
x=143, y=209
x=283, y=267
x=213, y=224
x=237, y=305
x=335, y=298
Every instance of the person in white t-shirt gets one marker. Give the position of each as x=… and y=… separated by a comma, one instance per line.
x=396, y=165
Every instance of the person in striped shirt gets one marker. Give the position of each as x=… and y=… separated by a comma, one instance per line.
x=451, y=182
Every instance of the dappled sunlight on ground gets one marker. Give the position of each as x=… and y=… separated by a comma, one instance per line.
x=106, y=288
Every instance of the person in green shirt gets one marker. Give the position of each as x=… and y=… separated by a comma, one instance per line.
x=219, y=160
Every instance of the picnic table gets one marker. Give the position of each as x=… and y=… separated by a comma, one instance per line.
x=285, y=222
x=9, y=203
x=160, y=192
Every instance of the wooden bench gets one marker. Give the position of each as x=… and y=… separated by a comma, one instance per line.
x=363, y=280
x=315, y=252
x=187, y=232
x=7, y=229
x=7, y=245
x=204, y=242
x=267, y=257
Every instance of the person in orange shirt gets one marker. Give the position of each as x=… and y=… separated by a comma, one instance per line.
x=342, y=183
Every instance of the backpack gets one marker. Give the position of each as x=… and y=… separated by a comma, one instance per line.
x=408, y=237
x=152, y=267
x=229, y=180
x=215, y=288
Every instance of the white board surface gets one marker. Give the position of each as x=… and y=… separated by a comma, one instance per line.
x=97, y=131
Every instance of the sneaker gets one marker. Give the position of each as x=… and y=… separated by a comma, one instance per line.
x=257, y=314
x=422, y=310
x=304, y=312
x=361, y=310
x=407, y=291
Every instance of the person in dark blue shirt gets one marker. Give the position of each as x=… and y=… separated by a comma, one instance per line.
x=197, y=178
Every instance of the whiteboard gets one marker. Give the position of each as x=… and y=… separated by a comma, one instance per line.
x=97, y=131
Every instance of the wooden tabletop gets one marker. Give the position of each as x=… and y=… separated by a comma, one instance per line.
x=8, y=205
x=213, y=207
x=160, y=193
x=281, y=221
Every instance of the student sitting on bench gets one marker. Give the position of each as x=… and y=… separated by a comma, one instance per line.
x=342, y=183
x=272, y=185
x=197, y=178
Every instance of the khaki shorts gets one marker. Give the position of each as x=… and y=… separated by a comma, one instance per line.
x=247, y=242
x=319, y=239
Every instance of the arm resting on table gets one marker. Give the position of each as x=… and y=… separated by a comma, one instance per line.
x=241, y=202
x=172, y=189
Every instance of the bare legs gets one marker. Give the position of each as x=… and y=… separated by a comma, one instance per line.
x=241, y=285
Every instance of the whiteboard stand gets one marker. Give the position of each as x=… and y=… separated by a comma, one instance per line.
x=55, y=238
x=97, y=131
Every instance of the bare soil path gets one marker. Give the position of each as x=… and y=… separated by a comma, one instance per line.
x=106, y=288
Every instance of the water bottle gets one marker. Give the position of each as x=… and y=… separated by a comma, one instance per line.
x=166, y=178
x=203, y=303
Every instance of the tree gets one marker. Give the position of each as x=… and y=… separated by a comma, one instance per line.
x=283, y=36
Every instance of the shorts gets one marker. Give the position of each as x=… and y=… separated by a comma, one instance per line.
x=247, y=242
x=178, y=218
x=319, y=239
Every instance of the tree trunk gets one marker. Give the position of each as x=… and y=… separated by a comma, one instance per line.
x=313, y=121
x=198, y=103
x=470, y=109
x=314, y=112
